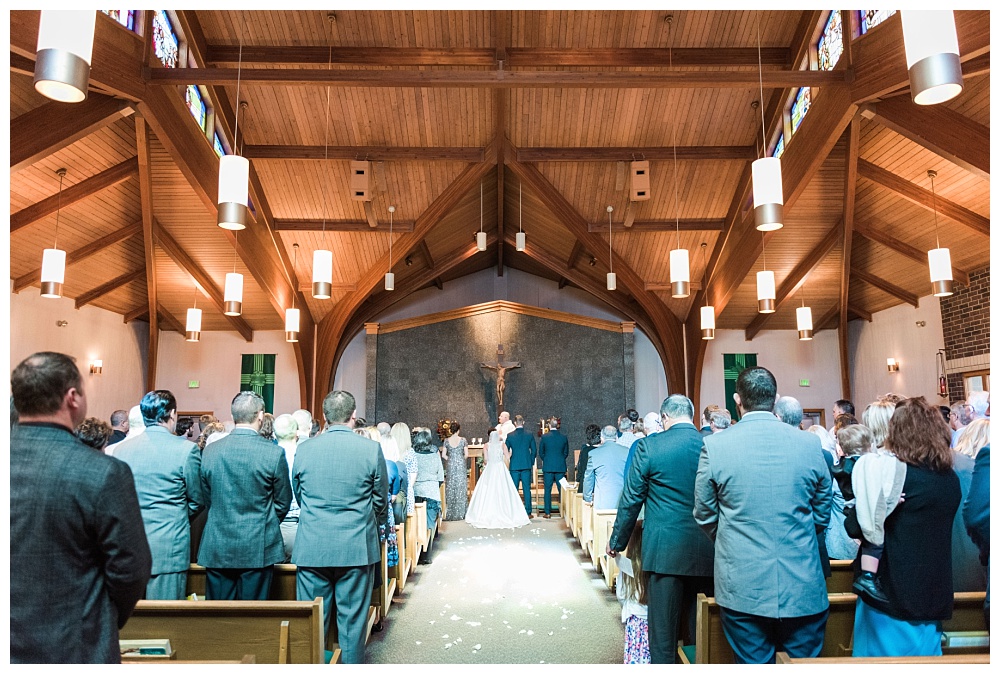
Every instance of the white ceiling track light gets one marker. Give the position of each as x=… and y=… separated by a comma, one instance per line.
x=481, y=235
x=390, y=278
x=932, y=59
x=768, y=191
x=612, y=279
x=292, y=316
x=520, y=239
x=234, y=170
x=707, y=311
x=63, y=54
x=939, y=259
x=53, y=259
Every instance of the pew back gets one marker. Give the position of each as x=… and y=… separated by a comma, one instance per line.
x=282, y=582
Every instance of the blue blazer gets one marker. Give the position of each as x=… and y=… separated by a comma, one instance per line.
x=553, y=449
x=522, y=449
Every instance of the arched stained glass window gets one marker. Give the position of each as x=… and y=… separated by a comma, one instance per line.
x=217, y=144
x=831, y=42
x=125, y=17
x=873, y=17
x=196, y=104
x=165, y=42
x=800, y=107
x=779, y=149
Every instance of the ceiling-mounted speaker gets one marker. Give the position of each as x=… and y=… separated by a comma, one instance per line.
x=639, y=190
x=361, y=173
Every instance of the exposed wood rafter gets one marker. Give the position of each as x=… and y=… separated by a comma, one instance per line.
x=288, y=225
x=148, y=243
x=105, y=288
x=687, y=153
x=865, y=230
x=885, y=286
x=849, y=222
x=366, y=153
x=689, y=225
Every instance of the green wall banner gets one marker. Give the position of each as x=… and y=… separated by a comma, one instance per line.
x=732, y=365
x=257, y=375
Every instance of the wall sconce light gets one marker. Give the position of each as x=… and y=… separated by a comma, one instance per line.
x=892, y=364
x=96, y=366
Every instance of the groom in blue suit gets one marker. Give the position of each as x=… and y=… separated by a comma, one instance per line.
x=553, y=449
x=522, y=459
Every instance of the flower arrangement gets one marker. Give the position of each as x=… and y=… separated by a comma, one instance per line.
x=444, y=429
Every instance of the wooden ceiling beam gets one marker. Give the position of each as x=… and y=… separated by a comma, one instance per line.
x=82, y=253
x=136, y=314
x=202, y=278
x=924, y=197
x=686, y=153
x=885, y=286
x=688, y=225
x=306, y=288
x=848, y=224
x=292, y=225
x=167, y=319
x=74, y=193
x=574, y=254
x=370, y=215
x=865, y=230
x=664, y=286
x=54, y=126
x=363, y=152
x=105, y=288
x=944, y=132
x=797, y=278
x=520, y=79
x=426, y=253
x=21, y=65
x=148, y=245
x=827, y=320
x=859, y=312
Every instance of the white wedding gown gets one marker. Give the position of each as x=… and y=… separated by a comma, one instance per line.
x=495, y=503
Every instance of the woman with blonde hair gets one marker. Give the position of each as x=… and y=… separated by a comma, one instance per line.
x=876, y=417
x=975, y=436
x=633, y=594
x=401, y=433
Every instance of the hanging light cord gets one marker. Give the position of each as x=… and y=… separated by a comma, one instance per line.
x=673, y=137
x=326, y=127
x=295, y=258
x=520, y=207
x=480, y=207
x=760, y=75
x=704, y=257
x=239, y=67
x=62, y=175
x=763, y=250
x=931, y=175
x=195, y=294
x=236, y=246
x=390, y=238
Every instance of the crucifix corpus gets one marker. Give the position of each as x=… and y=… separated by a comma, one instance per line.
x=501, y=369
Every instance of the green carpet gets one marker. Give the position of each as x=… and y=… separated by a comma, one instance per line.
x=503, y=597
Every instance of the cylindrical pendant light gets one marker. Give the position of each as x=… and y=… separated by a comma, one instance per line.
x=322, y=274
x=708, y=322
x=680, y=273
x=931, y=44
x=804, y=323
x=53, y=272
x=765, y=292
x=520, y=238
x=768, y=198
x=939, y=260
x=193, y=326
x=481, y=235
x=234, y=294
x=481, y=241
x=390, y=278
x=63, y=54
x=612, y=279
x=291, y=325
x=520, y=242
x=234, y=176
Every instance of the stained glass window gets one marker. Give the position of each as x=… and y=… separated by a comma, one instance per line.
x=217, y=144
x=831, y=42
x=196, y=104
x=125, y=17
x=779, y=149
x=873, y=17
x=800, y=107
x=165, y=41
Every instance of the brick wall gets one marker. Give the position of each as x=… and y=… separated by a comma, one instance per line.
x=965, y=319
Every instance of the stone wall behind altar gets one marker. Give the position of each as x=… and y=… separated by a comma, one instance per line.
x=580, y=373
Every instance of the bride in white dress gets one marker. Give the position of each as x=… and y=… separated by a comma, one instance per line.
x=495, y=503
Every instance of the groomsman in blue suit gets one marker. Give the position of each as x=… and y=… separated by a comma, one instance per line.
x=522, y=459
x=553, y=449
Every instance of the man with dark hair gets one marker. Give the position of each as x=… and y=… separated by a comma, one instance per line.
x=248, y=493
x=762, y=493
x=167, y=472
x=677, y=556
x=706, y=416
x=841, y=407
x=522, y=459
x=79, y=560
x=553, y=449
x=119, y=426
x=339, y=480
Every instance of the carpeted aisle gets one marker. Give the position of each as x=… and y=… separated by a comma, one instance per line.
x=503, y=597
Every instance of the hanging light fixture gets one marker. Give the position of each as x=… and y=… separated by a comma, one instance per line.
x=390, y=278
x=520, y=229
x=612, y=279
x=481, y=235
x=63, y=54
x=192, y=327
x=939, y=259
x=234, y=170
x=292, y=317
x=931, y=45
x=233, y=298
x=322, y=277
x=707, y=311
x=768, y=195
x=680, y=261
x=804, y=320
x=765, y=287
x=53, y=259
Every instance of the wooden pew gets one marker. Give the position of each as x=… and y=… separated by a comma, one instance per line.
x=565, y=498
x=608, y=565
x=782, y=658
x=388, y=588
x=271, y=631
x=577, y=514
x=412, y=542
x=841, y=576
x=420, y=515
x=601, y=536
x=282, y=582
x=402, y=569
x=586, y=525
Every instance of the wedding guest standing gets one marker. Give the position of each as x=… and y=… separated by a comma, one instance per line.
x=455, y=450
x=427, y=486
x=553, y=449
x=401, y=432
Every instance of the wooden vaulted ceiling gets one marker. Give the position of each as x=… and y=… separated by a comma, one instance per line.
x=536, y=111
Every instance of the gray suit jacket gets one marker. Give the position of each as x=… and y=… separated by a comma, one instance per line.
x=340, y=483
x=762, y=489
x=245, y=481
x=167, y=472
x=662, y=477
x=78, y=556
x=605, y=477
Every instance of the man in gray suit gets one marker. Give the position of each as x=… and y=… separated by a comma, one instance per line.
x=676, y=554
x=762, y=492
x=605, y=475
x=79, y=560
x=167, y=472
x=246, y=487
x=339, y=480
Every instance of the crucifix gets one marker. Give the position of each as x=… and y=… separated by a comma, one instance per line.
x=501, y=369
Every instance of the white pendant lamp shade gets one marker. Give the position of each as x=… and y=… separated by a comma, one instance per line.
x=234, y=175
x=234, y=294
x=804, y=322
x=481, y=241
x=322, y=274
x=291, y=325
x=939, y=260
x=765, y=292
x=53, y=272
x=612, y=281
x=62, y=59
x=708, y=322
x=390, y=281
x=680, y=273
x=520, y=242
x=931, y=44
x=768, y=195
x=193, y=325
